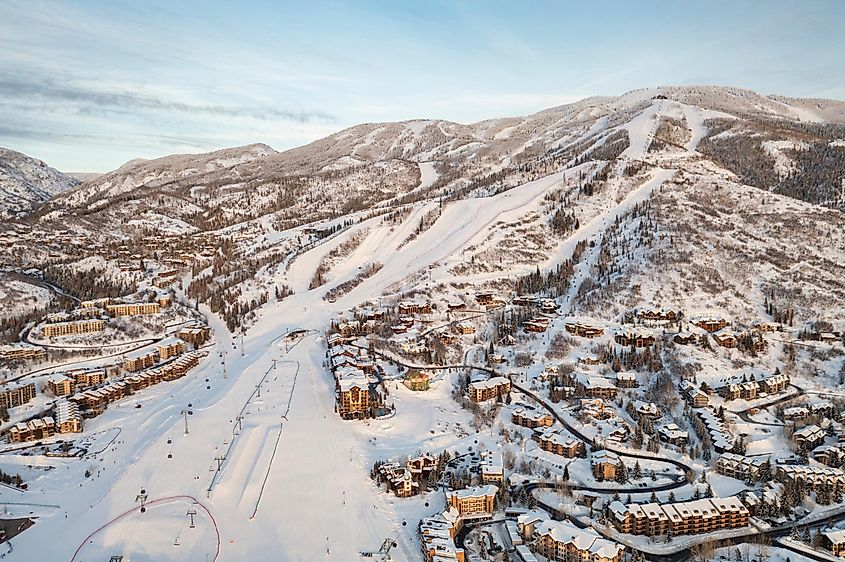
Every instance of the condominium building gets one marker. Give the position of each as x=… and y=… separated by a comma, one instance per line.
x=133, y=308
x=558, y=444
x=67, y=417
x=14, y=351
x=531, y=418
x=195, y=335
x=33, y=430
x=481, y=391
x=605, y=464
x=72, y=328
x=474, y=502
x=740, y=467
x=681, y=518
x=168, y=350
x=492, y=467
x=561, y=541
x=812, y=477
x=60, y=385
x=12, y=396
x=417, y=380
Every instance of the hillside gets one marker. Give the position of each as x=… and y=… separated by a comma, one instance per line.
x=26, y=182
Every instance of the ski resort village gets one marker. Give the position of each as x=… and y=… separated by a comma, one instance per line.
x=610, y=331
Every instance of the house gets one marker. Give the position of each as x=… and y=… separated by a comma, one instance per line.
x=605, y=464
x=592, y=386
x=834, y=541
x=465, y=327
x=417, y=380
x=795, y=413
x=671, y=433
x=583, y=330
x=531, y=418
x=695, y=396
x=726, y=339
x=481, y=391
x=409, y=307
x=710, y=324
x=646, y=410
x=626, y=379
x=537, y=324
x=634, y=338
x=596, y=408
x=685, y=338
x=659, y=315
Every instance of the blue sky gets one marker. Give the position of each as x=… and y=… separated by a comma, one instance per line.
x=87, y=86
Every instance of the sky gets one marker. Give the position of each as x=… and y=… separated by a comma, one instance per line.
x=87, y=86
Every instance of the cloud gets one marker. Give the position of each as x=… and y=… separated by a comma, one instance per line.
x=95, y=102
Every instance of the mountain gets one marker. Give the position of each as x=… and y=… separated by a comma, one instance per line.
x=25, y=182
x=698, y=196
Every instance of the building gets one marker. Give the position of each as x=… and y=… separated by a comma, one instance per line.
x=417, y=380
x=583, y=330
x=399, y=479
x=646, y=410
x=194, y=335
x=477, y=502
x=494, y=387
x=685, y=338
x=67, y=417
x=11, y=352
x=659, y=315
x=834, y=541
x=726, y=339
x=634, y=338
x=605, y=464
x=592, y=386
x=85, y=378
x=133, y=308
x=710, y=324
x=809, y=437
x=492, y=468
x=33, y=430
x=465, y=327
x=437, y=537
x=140, y=362
x=811, y=476
x=680, y=518
x=60, y=385
x=829, y=455
x=408, y=307
x=558, y=444
x=671, y=433
x=740, y=467
x=561, y=541
x=357, y=399
x=538, y=324
x=72, y=328
x=168, y=350
x=531, y=418
x=694, y=395
x=13, y=396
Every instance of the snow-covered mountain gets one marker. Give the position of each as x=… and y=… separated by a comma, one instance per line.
x=25, y=182
x=688, y=151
